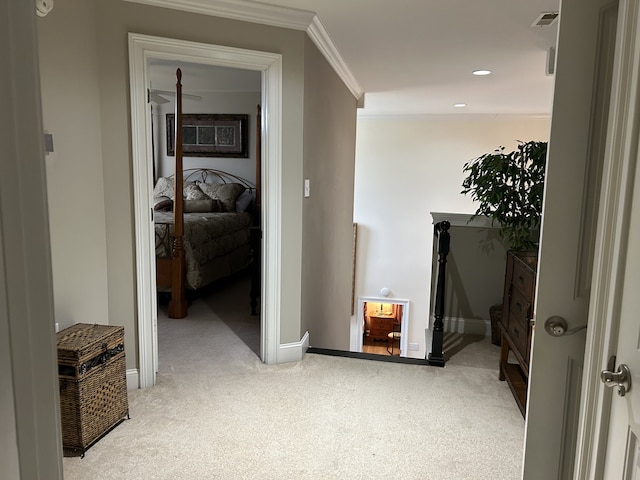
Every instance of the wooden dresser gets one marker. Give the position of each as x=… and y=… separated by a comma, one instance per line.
x=515, y=325
x=380, y=326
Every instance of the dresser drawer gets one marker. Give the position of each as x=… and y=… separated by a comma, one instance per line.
x=379, y=335
x=519, y=333
x=382, y=323
x=518, y=324
x=519, y=307
x=523, y=278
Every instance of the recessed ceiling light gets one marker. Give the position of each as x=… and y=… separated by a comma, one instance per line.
x=482, y=72
x=459, y=105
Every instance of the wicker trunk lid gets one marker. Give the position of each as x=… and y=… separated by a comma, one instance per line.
x=83, y=346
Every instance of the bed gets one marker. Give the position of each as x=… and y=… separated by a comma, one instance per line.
x=215, y=233
x=205, y=233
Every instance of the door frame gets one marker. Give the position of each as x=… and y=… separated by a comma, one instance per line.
x=141, y=48
x=357, y=327
x=29, y=403
x=610, y=248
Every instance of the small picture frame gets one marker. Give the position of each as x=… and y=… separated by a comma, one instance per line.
x=210, y=135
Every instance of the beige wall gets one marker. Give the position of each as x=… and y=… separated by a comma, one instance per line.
x=116, y=20
x=407, y=167
x=218, y=102
x=329, y=149
x=71, y=106
x=474, y=278
x=94, y=62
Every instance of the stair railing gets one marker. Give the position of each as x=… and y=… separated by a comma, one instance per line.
x=436, y=356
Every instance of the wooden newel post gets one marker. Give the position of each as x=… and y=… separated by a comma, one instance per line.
x=436, y=357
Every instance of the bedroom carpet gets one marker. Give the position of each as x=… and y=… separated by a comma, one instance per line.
x=217, y=412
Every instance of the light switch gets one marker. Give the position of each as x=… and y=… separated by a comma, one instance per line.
x=307, y=188
x=48, y=143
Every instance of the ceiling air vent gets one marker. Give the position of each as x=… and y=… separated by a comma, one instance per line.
x=545, y=19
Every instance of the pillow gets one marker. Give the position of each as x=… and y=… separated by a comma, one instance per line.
x=244, y=201
x=202, y=206
x=198, y=206
x=164, y=188
x=227, y=193
x=193, y=192
x=162, y=204
x=217, y=206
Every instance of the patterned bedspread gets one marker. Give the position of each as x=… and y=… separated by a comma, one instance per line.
x=216, y=244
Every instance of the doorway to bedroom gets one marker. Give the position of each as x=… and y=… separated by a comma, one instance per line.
x=142, y=48
x=222, y=280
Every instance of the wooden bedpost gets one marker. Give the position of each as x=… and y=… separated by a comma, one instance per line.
x=178, y=302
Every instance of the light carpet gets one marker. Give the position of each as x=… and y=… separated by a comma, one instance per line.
x=217, y=412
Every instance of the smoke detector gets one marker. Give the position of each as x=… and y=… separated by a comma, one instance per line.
x=545, y=19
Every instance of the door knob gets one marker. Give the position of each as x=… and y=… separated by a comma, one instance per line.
x=557, y=327
x=621, y=378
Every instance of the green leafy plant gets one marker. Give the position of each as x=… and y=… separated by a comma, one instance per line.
x=509, y=188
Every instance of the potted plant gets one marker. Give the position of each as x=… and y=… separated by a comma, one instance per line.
x=509, y=188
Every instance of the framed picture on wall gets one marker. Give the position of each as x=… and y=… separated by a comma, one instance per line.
x=210, y=135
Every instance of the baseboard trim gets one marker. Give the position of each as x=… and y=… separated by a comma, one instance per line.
x=293, y=352
x=133, y=379
x=368, y=356
x=471, y=326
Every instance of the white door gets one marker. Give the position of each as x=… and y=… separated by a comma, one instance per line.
x=586, y=40
x=607, y=444
x=623, y=445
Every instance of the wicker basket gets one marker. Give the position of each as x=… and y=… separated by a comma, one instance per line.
x=495, y=313
x=93, y=386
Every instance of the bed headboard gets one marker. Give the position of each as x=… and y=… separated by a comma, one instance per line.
x=211, y=175
x=224, y=192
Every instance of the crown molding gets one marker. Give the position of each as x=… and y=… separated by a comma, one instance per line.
x=320, y=38
x=274, y=16
x=240, y=10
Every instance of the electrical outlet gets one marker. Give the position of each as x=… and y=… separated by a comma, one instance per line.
x=57, y=327
x=414, y=346
x=307, y=188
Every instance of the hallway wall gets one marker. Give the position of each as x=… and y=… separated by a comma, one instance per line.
x=406, y=168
